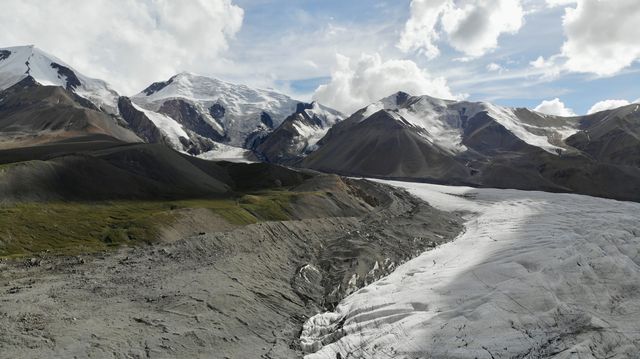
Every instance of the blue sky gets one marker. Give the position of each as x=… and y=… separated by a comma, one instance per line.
x=541, y=34
x=512, y=52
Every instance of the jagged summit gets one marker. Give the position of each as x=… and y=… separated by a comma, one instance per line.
x=299, y=133
x=20, y=62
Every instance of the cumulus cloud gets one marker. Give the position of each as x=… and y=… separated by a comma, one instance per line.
x=472, y=26
x=355, y=84
x=601, y=36
x=607, y=105
x=420, y=30
x=554, y=107
x=129, y=43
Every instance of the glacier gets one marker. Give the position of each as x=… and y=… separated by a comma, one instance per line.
x=535, y=275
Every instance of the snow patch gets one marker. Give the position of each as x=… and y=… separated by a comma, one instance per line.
x=224, y=152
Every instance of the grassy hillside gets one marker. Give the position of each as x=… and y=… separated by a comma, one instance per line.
x=82, y=227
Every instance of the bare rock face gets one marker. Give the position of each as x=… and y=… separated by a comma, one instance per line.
x=189, y=117
x=217, y=111
x=72, y=80
x=4, y=54
x=298, y=134
x=139, y=122
x=156, y=86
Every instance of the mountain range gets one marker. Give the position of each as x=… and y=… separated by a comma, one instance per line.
x=421, y=138
x=45, y=103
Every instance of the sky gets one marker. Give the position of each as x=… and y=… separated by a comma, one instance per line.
x=560, y=57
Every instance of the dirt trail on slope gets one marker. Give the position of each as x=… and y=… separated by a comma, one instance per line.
x=243, y=293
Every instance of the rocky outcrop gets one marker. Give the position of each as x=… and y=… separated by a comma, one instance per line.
x=190, y=118
x=298, y=134
x=157, y=86
x=139, y=122
x=72, y=80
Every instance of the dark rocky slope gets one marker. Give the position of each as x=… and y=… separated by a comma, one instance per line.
x=102, y=168
x=34, y=114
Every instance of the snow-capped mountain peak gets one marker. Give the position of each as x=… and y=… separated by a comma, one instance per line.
x=325, y=115
x=196, y=87
x=442, y=122
x=312, y=122
x=236, y=112
x=20, y=62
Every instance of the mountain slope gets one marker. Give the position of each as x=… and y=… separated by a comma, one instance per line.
x=611, y=136
x=31, y=114
x=382, y=146
x=96, y=171
x=298, y=134
x=18, y=63
x=442, y=133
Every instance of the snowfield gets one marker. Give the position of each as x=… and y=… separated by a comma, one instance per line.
x=535, y=275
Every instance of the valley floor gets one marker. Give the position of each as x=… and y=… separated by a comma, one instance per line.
x=242, y=291
x=535, y=275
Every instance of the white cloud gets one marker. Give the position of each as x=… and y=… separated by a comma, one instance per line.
x=547, y=68
x=602, y=36
x=270, y=60
x=607, y=105
x=355, y=84
x=556, y=3
x=129, y=43
x=554, y=107
x=474, y=29
x=420, y=30
x=494, y=67
x=472, y=26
